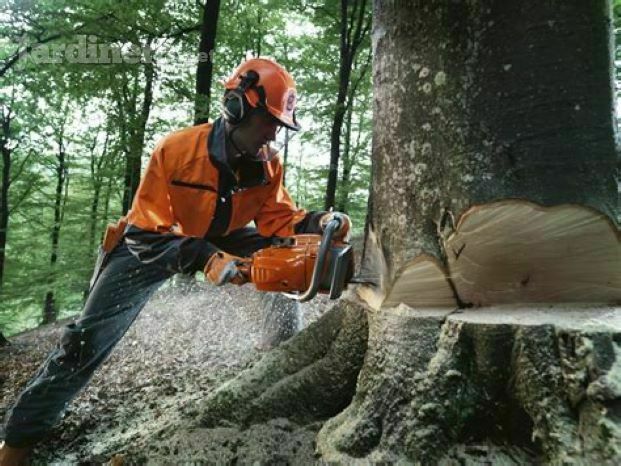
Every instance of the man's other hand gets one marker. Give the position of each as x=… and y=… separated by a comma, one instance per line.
x=225, y=268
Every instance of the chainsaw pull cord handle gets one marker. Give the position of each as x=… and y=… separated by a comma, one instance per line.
x=324, y=247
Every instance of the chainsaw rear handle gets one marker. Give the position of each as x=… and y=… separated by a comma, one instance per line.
x=324, y=247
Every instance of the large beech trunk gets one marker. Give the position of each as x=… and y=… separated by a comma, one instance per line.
x=493, y=227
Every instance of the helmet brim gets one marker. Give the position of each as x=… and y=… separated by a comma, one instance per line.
x=289, y=123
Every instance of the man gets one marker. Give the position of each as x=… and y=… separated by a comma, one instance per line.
x=202, y=186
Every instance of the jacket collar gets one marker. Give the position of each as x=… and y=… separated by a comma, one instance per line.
x=250, y=173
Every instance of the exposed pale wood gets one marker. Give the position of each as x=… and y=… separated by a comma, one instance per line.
x=518, y=252
x=583, y=317
x=422, y=283
x=374, y=264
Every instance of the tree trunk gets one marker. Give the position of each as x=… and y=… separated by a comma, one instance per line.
x=350, y=153
x=353, y=28
x=285, y=157
x=204, y=69
x=493, y=175
x=106, y=211
x=494, y=333
x=347, y=162
x=259, y=34
x=126, y=102
x=97, y=178
x=50, y=312
x=136, y=134
x=298, y=179
x=92, y=228
x=4, y=189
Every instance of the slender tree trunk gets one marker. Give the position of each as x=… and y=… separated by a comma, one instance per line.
x=285, y=157
x=97, y=177
x=4, y=190
x=92, y=230
x=50, y=311
x=126, y=103
x=299, y=179
x=106, y=212
x=354, y=27
x=204, y=70
x=339, y=112
x=137, y=136
x=259, y=35
x=349, y=153
x=347, y=162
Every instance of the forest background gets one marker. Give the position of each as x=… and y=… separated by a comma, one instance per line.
x=88, y=87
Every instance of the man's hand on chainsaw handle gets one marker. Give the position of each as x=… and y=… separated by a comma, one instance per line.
x=343, y=233
x=224, y=268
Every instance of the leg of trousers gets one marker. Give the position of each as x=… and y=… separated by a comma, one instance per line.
x=118, y=294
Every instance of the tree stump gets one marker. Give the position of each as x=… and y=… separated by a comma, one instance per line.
x=544, y=379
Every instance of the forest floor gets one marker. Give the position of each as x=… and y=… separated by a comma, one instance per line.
x=184, y=344
x=141, y=405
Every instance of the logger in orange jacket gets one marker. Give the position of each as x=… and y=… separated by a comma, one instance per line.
x=202, y=187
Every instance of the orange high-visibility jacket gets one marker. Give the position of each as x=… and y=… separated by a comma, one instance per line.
x=182, y=189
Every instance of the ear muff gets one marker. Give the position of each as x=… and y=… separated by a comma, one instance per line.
x=235, y=106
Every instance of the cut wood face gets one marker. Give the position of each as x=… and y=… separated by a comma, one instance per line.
x=580, y=317
x=423, y=283
x=513, y=252
x=518, y=252
x=373, y=263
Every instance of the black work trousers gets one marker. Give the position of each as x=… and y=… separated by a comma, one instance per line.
x=118, y=293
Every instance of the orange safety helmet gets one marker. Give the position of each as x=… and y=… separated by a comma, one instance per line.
x=260, y=82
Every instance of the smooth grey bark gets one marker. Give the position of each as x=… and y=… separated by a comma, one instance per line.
x=490, y=100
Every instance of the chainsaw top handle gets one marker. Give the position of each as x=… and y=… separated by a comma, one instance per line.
x=324, y=247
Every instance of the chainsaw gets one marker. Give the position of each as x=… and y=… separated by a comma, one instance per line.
x=301, y=266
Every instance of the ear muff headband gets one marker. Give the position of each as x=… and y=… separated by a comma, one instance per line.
x=235, y=106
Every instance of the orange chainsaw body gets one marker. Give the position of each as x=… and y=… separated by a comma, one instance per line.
x=289, y=267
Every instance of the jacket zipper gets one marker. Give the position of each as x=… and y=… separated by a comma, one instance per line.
x=192, y=185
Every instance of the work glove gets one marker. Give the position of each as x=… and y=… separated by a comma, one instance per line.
x=343, y=232
x=224, y=268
